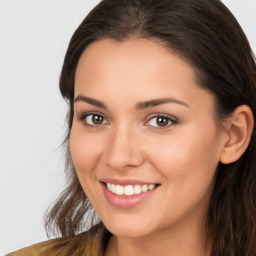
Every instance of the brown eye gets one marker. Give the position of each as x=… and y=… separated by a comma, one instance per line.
x=161, y=121
x=94, y=120
x=97, y=119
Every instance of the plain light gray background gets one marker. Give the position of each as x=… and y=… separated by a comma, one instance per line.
x=33, y=39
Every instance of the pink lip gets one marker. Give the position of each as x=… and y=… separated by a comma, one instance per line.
x=126, y=201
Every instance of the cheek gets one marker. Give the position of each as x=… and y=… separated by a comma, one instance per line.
x=85, y=151
x=187, y=166
x=188, y=161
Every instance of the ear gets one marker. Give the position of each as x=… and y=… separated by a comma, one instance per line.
x=238, y=130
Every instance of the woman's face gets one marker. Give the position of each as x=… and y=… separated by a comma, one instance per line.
x=143, y=127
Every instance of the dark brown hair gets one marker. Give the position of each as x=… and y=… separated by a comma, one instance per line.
x=209, y=38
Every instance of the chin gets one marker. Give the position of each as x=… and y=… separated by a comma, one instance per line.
x=129, y=233
x=129, y=229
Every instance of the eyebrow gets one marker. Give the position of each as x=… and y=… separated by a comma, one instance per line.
x=139, y=105
x=156, y=102
x=91, y=101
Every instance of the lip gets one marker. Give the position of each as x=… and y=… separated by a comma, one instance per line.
x=126, y=201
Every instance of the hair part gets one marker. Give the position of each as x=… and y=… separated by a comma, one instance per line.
x=209, y=38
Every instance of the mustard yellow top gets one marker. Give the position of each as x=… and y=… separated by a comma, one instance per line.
x=86, y=244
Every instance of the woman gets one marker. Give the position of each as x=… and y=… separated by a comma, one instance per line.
x=161, y=136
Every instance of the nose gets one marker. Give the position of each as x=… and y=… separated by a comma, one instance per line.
x=123, y=150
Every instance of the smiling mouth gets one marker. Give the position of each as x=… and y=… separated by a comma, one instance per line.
x=129, y=190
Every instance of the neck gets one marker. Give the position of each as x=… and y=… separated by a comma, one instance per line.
x=175, y=242
x=184, y=245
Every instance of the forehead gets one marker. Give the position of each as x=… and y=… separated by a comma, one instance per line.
x=137, y=68
x=140, y=58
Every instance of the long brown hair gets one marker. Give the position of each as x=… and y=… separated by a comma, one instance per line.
x=209, y=38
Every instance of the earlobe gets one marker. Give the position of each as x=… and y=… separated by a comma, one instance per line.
x=239, y=131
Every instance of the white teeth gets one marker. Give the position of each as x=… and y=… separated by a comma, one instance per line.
x=113, y=188
x=151, y=186
x=129, y=190
x=145, y=188
x=137, y=189
x=119, y=190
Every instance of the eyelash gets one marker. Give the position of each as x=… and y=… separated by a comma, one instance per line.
x=171, y=120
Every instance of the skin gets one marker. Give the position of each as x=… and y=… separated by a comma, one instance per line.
x=181, y=156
